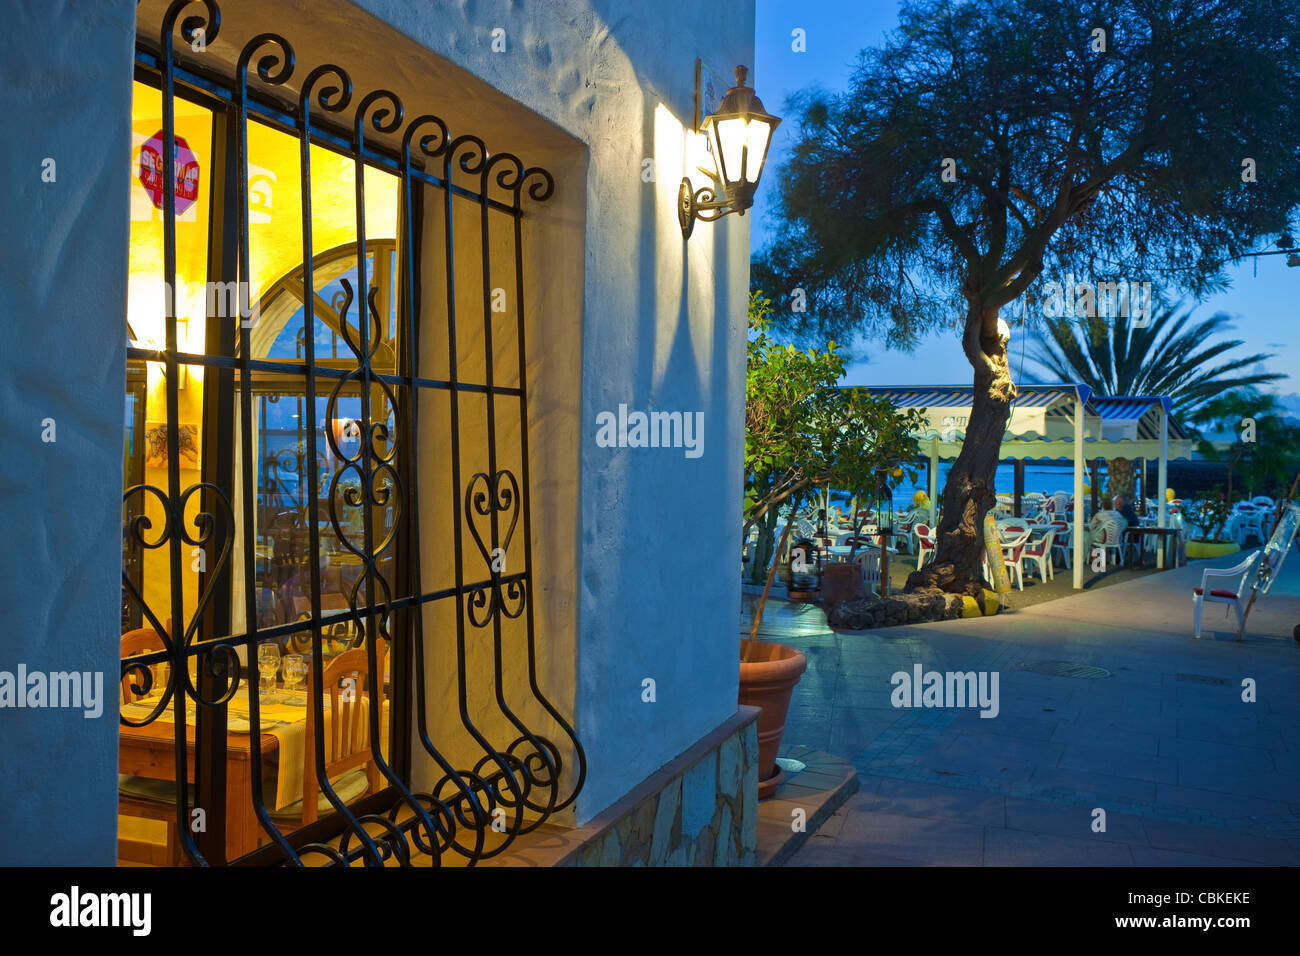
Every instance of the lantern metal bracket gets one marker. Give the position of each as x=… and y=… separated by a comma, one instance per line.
x=702, y=203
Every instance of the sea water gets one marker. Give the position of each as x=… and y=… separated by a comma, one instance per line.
x=1045, y=479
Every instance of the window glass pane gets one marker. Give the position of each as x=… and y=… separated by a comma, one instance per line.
x=285, y=507
x=146, y=454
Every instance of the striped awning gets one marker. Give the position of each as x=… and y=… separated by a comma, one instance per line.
x=1040, y=412
x=1136, y=417
x=963, y=396
x=1041, y=424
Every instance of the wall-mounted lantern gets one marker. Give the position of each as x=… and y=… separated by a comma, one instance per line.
x=739, y=133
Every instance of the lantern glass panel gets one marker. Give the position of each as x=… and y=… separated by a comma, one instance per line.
x=728, y=142
x=758, y=135
x=741, y=142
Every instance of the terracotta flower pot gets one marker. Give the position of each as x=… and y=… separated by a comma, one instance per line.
x=766, y=681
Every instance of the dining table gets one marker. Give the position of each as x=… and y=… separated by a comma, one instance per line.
x=841, y=552
x=1168, y=542
x=150, y=751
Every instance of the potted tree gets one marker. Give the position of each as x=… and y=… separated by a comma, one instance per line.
x=1263, y=447
x=802, y=432
x=1211, y=515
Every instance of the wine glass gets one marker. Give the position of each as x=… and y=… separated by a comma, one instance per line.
x=295, y=672
x=268, y=662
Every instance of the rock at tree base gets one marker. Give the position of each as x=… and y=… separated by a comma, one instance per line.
x=894, y=610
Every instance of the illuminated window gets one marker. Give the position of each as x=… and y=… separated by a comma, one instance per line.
x=279, y=387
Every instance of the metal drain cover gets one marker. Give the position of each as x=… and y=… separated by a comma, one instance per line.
x=1064, y=669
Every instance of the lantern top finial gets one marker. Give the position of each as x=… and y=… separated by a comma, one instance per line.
x=742, y=99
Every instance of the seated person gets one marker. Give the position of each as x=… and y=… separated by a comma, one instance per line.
x=1125, y=507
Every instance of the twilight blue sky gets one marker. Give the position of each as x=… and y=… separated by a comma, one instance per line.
x=1265, y=306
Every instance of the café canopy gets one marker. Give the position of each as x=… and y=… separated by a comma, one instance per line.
x=1052, y=423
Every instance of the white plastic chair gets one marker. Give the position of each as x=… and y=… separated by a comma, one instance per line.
x=903, y=529
x=1250, y=521
x=1063, y=538
x=1060, y=504
x=1235, y=596
x=1235, y=528
x=1108, y=538
x=1040, y=550
x=1012, y=548
x=869, y=562
x=747, y=554
x=925, y=543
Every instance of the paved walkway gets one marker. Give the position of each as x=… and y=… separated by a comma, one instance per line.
x=1160, y=739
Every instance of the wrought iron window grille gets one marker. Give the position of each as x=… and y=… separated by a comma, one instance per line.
x=516, y=781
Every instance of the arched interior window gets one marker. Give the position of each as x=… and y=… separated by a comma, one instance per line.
x=281, y=413
x=279, y=331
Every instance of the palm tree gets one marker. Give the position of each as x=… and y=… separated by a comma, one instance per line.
x=1171, y=355
x=1265, y=454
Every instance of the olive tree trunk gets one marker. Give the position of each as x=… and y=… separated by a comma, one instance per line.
x=969, y=492
x=1122, y=478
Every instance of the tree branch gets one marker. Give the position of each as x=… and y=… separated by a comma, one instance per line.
x=952, y=230
x=1001, y=198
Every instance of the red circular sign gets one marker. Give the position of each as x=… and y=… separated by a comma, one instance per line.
x=187, y=172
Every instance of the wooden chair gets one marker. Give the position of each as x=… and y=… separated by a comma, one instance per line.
x=142, y=797
x=348, y=762
x=299, y=642
x=143, y=640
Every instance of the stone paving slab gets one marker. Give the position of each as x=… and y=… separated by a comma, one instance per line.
x=1187, y=772
x=1018, y=848
x=813, y=793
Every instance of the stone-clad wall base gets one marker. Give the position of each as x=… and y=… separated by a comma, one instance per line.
x=700, y=809
x=703, y=810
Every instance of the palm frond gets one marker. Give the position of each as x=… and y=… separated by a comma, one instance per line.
x=1172, y=355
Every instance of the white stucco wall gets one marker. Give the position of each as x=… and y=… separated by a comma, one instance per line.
x=641, y=576
x=65, y=93
x=663, y=327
